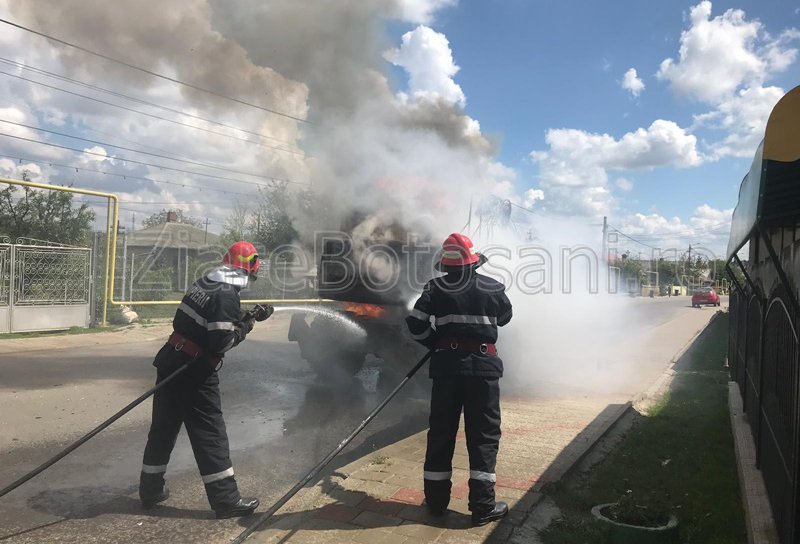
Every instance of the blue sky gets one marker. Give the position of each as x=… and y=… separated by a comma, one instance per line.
x=526, y=67
x=564, y=108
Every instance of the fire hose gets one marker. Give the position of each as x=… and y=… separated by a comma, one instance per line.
x=264, y=517
x=91, y=434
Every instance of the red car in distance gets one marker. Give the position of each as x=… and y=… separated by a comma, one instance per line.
x=705, y=295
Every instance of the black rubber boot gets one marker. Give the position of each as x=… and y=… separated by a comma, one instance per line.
x=244, y=507
x=150, y=501
x=435, y=511
x=482, y=518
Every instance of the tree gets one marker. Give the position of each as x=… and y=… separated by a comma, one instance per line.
x=270, y=225
x=162, y=217
x=44, y=215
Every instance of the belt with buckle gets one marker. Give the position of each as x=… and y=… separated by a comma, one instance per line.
x=466, y=344
x=184, y=345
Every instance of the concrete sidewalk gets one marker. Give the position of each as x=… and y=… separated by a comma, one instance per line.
x=378, y=498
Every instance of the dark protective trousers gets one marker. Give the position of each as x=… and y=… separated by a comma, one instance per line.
x=191, y=399
x=480, y=399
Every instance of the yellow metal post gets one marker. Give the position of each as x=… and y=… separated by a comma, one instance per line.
x=112, y=217
x=111, y=197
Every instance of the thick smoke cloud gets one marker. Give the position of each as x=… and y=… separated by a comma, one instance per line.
x=417, y=160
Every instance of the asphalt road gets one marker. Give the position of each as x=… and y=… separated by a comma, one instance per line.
x=281, y=421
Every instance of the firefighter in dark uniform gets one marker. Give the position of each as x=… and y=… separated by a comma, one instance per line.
x=208, y=323
x=457, y=316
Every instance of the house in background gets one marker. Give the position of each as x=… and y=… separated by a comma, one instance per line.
x=176, y=252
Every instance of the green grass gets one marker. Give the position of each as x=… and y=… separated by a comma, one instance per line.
x=379, y=459
x=679, y=458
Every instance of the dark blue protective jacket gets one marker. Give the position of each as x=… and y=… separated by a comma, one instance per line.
x=461, y=304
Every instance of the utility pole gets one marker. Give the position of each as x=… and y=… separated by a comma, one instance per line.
x=133, y=270
x=689, y=262
x=604, y=257
x=124, y=260
x=205, y=240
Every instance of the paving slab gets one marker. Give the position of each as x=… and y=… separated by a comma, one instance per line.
x=379, y=498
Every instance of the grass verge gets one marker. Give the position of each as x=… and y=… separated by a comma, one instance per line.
x=678, y=458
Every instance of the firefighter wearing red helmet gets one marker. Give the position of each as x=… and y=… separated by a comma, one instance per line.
x=457, y=316
x=208, y=323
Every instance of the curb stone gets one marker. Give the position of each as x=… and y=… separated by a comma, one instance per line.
x=527, y=533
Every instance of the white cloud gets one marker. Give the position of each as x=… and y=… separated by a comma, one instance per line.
x=743, y=117
x=578, y=162
x=581, y=158
x=15, y=169
x=422, y=11
x=426, y=56
x=632, y=83
x=532, y=196
x=720, y=54
x=707, y=230
x=624, y=184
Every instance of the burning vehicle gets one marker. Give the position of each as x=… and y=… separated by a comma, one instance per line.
x=373, y=276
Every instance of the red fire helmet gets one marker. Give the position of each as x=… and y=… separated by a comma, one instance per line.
x=242, y=255
x=457, y=250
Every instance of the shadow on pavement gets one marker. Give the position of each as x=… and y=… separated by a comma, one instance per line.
x=382, y=514
x=89, y=502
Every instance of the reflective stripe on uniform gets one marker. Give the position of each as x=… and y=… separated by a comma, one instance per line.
x=154, y=469
x=185, y=308
x=466, y=319
x=484, y=476
x=220, y=326
x=209, y=478
x=437, y=476
x=422, y=336
x=417, y=314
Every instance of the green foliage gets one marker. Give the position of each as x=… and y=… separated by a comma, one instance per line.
x=267, y=223
x=679, y=459
x=650, y=510
x=44, y=215
x=270, y=225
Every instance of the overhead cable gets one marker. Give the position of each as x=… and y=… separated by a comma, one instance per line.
x=132, y=110
x=118, y=94
x=127, y=176
x=150, y=72
x=157, y=155
x=132, y=161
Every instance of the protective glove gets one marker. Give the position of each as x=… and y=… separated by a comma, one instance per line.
x=242, y=328
x=261, y=312
x=247, y=324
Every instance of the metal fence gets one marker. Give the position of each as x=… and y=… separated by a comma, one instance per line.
x=763, y=356
x=43, y=287
x=5, y=271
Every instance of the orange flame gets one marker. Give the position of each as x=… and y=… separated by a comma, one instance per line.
x=365, y=310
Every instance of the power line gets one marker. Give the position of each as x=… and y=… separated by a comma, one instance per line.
x=132, y=161
x=149, y=72
x=157, y=155
x=132, y=110
x=129, y=176
x=95, y=203
x=46, y=73
x=630, y=238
